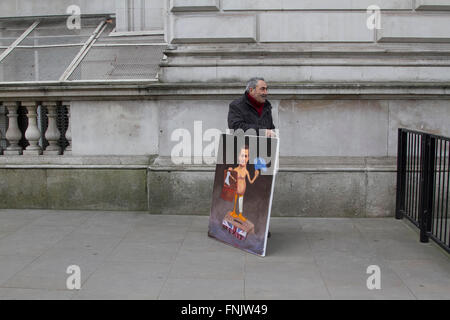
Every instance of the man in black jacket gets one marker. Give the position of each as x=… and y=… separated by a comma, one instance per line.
x=252, y=110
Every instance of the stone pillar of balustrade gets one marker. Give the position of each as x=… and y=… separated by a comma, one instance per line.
x=13, y=134
x=52, y=133
x=32, y=134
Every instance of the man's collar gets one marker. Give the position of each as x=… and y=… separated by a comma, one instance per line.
x=266, y=104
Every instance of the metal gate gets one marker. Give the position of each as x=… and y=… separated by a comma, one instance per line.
x=423, y=184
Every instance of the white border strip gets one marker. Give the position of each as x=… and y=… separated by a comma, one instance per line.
x=275, y=172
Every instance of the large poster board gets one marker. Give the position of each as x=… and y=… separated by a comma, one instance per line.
x=243, y=190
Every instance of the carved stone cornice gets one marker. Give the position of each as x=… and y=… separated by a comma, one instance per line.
x=144, y=90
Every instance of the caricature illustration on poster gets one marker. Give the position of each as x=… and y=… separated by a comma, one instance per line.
x=243, y=191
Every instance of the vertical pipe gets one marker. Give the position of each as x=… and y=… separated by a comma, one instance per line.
x=423, y=186
x=411, y=172
x=413, y=145
x=441, y=214
x=403, y=165
x=407, y=173
x=419, y=185
x=438, y=209
x=435, y=196
x=430, y=188
x=400, y=199
x=414, y=208
x=408, y=212
x=446, y=209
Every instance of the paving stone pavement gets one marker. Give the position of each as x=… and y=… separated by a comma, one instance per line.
x=134, y=255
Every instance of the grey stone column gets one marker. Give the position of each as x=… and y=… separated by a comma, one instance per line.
x=32, y=134
x=13, y=134
x=52, y=134
x=68, y=150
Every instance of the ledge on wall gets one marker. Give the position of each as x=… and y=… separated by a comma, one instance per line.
x=160, y=163
x=298, y=164
x=74, y=162
x=142, y=90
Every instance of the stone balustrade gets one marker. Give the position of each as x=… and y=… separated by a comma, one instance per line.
x=24, y=123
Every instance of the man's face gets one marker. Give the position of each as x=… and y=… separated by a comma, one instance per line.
x=260, y=92
x=243, y=157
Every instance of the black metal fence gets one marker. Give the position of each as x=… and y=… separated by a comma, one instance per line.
x=423, y=184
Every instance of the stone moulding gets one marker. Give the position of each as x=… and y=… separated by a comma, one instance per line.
x=160, y=163
x=149, y=91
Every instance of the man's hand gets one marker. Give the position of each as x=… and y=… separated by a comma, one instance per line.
x=270, y=133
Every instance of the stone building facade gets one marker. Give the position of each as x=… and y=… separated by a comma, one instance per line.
x=343, y=77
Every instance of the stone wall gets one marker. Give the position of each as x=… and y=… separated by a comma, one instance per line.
x=307, y=41
x=340, y=91
x=338, y=187
x=337, y=157
x=307, y=21
x=308, y=127
x=25, y=8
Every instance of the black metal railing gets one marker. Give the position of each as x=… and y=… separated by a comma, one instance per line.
x=423, y=184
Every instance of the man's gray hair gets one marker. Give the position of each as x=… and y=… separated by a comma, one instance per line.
x=252, y=83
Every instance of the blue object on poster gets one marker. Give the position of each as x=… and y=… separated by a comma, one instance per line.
x=260, y=164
